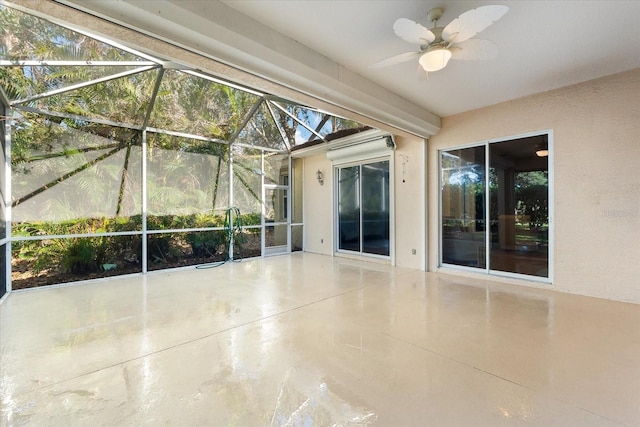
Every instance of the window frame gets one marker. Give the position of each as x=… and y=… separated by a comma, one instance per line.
x=336, y=229
x=487, y=270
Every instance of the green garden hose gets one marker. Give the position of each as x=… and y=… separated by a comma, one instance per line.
x=232, y=227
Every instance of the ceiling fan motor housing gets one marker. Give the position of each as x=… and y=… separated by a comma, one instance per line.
x=434, y=14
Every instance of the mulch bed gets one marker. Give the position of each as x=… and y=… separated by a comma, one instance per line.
x=23, y=276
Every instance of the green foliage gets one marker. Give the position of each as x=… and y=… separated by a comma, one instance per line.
x=187, y=103
x=88, y=254
x=531, y=178
x=77, y=226
x=533, y=200
x=159, y=248
x=25, y=36
x=74, y=255
x=79, y=257
x=532, y=194
x=176, y=222
x=37, y=253
x=251, y=219
x=207, y=243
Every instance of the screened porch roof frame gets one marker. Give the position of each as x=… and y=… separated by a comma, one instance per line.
x=270, y=100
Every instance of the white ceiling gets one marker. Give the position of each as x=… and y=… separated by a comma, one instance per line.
x=543, y=45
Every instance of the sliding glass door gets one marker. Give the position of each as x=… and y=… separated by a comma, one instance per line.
x=495, y=207
x=519, y=206
x=463, y=207
x=349, y=235
x=363, y=208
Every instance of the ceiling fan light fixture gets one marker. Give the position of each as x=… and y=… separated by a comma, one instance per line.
x=435, y=59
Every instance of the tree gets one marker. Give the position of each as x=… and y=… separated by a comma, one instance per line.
x=532, y=195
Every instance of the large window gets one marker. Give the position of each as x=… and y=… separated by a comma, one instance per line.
x=495, y=206
x=363, y=208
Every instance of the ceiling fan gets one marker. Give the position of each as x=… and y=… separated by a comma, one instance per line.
x=438, y=45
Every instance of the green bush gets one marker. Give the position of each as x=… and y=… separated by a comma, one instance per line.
x=79, y=257
x=160, y=248
x=89, y=254
x=207, y=243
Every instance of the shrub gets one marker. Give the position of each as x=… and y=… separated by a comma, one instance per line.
x=79, y=257
x=206, y=243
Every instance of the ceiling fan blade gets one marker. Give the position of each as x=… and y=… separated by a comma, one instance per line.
x=413, y=32
x=474, y=49
x=403, y=57
x=472, y=22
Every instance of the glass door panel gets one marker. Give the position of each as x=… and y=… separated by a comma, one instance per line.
x=463, y=207
x=275, y=239
x=275, y=219
x=296, y=188
x=519, y=194
x=3, y=270
x=375, y=208
x=296, y=238
x=349, y=208
x=275, y=202
x=363, y=208
x=296, y=206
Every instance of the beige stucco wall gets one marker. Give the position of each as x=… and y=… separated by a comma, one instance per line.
x=596, y=163
x=318, y=236
x=409, y=202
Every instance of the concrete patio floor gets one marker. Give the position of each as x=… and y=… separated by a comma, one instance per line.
x=307, y=339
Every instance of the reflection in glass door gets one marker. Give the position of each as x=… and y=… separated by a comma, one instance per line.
x=349, y=208
x=463, y=207
x=375, y=208
x=519, y=206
